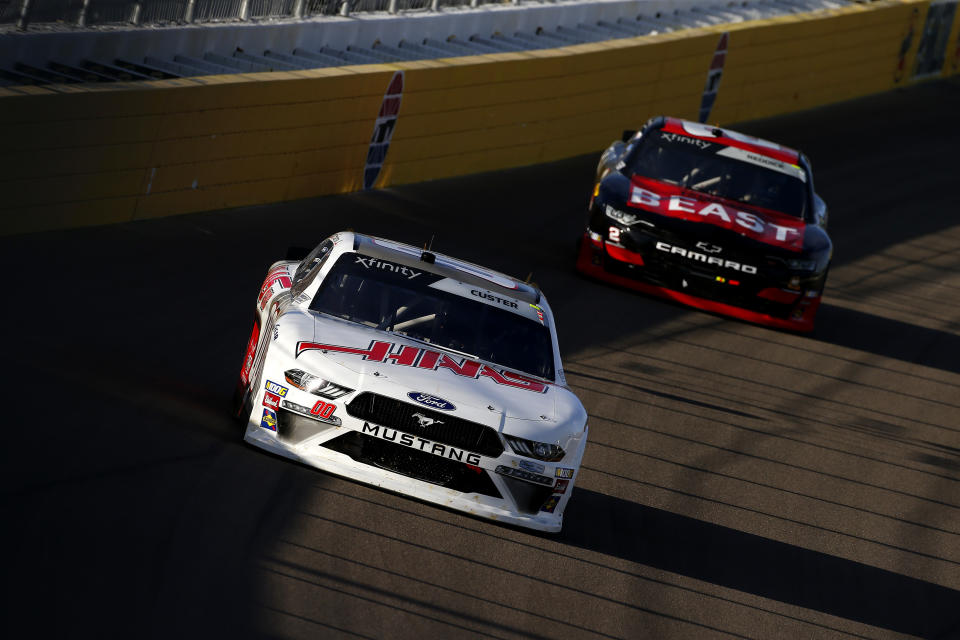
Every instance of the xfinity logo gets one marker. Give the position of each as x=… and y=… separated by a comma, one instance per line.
x=431, y=401
x=675, y=137
x=702, y=257
x=493, y=298
x=373, y=263
x=426, y=421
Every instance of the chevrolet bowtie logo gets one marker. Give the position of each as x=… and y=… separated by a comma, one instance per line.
x=426, y=421
x=706, y=247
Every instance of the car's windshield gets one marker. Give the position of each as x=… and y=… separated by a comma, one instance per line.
x=419, y=304
x=722, y=171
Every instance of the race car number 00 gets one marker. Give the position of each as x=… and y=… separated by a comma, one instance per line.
x=323, y=409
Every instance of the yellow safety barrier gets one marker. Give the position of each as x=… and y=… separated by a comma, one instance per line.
x=76, y=155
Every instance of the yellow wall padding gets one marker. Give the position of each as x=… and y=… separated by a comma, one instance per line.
x=77, y=155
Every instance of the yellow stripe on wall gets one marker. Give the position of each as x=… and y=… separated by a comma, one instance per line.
x=94, y=154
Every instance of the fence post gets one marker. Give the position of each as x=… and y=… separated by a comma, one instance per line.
x=82, y=18
x=244, y=10
x=188, y=13
x=434, y=5
x=392, y=9
x=474, y=3
x=345, y=8
x=298, y=9
x=135, y=13
x=22, y=21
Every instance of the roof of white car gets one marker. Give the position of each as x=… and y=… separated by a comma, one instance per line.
x=446, y=266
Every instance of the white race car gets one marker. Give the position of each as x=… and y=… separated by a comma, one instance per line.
x=418, y=373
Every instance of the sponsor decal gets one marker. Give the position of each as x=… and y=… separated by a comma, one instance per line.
x=561, y=486
x=514, y=472
x=428, y=446
x=269, y=420
x=408, y=356
x=373, y=263
x=676, y=137
x=383, y=130
x=535, y=467
x=564, y=473
x=712, y=87
x=771, y=228
x=276, y=332
x=550, y=504
x=764, y=161
x=689, y=254
x=271, y=400
x=425, y=421
x=539, y=313
x=431, y=401
x=273, y=387
x=486, y=295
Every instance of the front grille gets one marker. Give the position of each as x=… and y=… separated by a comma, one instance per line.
x=414, y=463
x=664, y=270
x=447, y=429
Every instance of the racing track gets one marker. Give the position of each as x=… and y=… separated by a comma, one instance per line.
x=740, y=482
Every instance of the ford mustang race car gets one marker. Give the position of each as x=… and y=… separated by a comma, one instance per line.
x=415, y=372
x=710, y=218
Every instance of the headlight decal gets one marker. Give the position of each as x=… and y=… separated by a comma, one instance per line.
x=315, y=384
x=533, y=449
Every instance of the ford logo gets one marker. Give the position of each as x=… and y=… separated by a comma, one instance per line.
x=431, y=401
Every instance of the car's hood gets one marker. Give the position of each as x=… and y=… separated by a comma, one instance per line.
x=763, y=225
x=356, y=356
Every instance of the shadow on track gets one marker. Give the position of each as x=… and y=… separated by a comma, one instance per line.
x=760, y=566
x=888, y=338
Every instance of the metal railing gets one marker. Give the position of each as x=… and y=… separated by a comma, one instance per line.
x=85, y=13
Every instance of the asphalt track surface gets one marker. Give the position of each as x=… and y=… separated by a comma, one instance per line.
x=739, y=482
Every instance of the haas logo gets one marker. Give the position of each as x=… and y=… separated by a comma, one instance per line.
x=426, y=421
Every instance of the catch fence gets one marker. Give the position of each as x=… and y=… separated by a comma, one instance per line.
x=85, y=13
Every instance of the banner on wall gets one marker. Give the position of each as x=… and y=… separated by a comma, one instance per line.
x=712, y=87
x=383, y=130
x=932, y=50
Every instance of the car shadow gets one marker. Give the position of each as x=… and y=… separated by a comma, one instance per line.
x=760, y=566
x=889, y=338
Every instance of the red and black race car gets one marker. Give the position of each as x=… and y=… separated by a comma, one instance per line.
x=711, y=218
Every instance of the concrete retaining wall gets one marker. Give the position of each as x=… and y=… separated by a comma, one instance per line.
x=90, y=154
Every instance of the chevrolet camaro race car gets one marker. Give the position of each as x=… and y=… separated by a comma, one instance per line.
x=415, y=372
x=711, y=218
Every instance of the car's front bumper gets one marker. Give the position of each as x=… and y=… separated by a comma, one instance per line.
x=499, y=488
x=623, y=268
